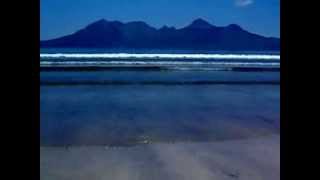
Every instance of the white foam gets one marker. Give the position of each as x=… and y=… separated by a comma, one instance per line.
x=163, y=56
x=164, y=63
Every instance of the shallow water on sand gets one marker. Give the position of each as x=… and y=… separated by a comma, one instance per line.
x=135, y=114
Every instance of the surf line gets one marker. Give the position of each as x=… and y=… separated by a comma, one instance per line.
x=161, y=56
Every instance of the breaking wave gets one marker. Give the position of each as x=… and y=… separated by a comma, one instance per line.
x=162, y=56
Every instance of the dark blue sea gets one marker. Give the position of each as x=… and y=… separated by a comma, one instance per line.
x=127, y=97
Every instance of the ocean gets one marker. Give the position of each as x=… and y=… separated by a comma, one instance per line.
x=129, y=97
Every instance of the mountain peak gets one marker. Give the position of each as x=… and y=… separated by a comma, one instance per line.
x=234, y=27
x=100, y=22
x=139, y=23
x=200, y=23
x=103, y=24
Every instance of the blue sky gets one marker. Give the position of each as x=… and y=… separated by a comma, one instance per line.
x=62, y=17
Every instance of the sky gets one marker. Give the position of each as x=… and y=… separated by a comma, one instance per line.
x=63, y=17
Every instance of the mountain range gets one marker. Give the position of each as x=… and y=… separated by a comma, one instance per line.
x=199, y=35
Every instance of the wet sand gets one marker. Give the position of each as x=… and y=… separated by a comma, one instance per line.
x=256, y=158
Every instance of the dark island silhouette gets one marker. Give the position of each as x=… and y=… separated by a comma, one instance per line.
x=199, y=35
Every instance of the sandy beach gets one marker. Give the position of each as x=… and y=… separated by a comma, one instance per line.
x=253, y=158
x=164, y=130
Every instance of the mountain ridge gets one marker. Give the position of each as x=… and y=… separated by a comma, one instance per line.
x=137, y=34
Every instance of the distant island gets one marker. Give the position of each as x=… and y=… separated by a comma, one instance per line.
x=199, y=35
